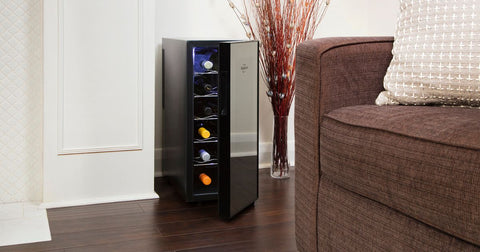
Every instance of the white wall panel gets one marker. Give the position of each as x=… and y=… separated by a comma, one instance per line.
x=100, y=78
x=99, y=101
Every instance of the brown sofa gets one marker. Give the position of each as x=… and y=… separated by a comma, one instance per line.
x=388, y=178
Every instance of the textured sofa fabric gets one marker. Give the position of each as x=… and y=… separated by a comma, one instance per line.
x=421, y=161
x=351, y=222
x=409, y=182
x=358, y=63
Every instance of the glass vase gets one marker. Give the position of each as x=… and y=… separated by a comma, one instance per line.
x=280, y=167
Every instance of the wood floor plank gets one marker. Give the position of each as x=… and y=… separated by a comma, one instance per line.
x=97, y=237
x=129, y=220
x=170, y=224
x=215, y=224
x=191, y=241
x=283, y=243
x=171, y=203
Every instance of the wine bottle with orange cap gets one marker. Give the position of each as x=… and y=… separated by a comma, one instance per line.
x=206, y=180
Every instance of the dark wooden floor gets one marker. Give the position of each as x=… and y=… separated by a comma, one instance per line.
x=169, y=224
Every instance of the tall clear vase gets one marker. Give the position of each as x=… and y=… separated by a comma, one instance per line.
x=280, y=167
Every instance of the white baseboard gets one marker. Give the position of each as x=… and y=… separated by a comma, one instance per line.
x=92, y=201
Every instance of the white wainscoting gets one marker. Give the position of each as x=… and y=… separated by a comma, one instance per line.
x=99, y=101
x=99, y=75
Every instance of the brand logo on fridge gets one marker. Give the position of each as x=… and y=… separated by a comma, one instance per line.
x=244, y=68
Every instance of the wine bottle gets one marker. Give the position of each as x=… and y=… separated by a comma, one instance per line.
x=206, y=180
x=203, y=88
x=204, y=155
x=205, y=108
x=203, y=132
x=207, y=64
x=205, y=59
x=207, y=111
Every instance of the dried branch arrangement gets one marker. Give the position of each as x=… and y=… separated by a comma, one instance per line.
x=279, y=26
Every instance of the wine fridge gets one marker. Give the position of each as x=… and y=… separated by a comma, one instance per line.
x=210, y=121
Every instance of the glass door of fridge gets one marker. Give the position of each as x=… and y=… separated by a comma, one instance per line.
x=238, y=134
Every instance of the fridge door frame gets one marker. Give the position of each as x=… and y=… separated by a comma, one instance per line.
x=225, y=197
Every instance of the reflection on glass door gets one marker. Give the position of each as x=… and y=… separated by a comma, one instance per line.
x=239, y=123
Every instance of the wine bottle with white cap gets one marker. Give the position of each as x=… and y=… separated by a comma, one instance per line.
x=207, y=64
x=204, y=155
x=206, y=59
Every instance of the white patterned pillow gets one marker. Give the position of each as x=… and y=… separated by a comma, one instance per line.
x=436, y=54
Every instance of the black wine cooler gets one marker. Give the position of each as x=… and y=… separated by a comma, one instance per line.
x=210, y=121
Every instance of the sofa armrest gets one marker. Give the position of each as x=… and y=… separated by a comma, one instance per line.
x=331, y=73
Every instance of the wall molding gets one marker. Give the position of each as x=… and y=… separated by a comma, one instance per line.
x=92, y=201
x=138, y=145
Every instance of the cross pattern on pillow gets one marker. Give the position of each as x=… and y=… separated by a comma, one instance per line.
x=436, y=55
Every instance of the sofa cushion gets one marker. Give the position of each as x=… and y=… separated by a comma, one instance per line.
x=436, y=54
x=422, y=161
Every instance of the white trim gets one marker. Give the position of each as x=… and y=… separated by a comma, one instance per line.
x=60, y=75
x=141, y=43
x=91, y=201
x=99, y=149
x=61, y=150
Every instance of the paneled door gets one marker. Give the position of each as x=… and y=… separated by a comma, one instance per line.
x=98, y=101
